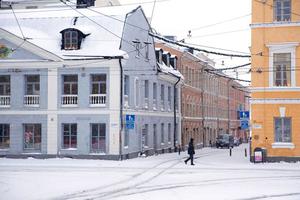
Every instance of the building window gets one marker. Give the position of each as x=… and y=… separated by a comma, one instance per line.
x=98, y=136
x=4, y=136
x=71, y=40
x=145, y=135
x=32, y=90
x=146, y=94
x=126, y=91
x=169, y=97
x=147, y=44
x=169, y=132
x=282, y=10
x=98, y=89
x=283, y=129
x=5, y=90
x=69, y=136
x=282, y=69
x=32, y=136
x=70, y=89
x=162, y=130
x=126, y=138
x=162, y=97
x=154, y=96
x=137, y=92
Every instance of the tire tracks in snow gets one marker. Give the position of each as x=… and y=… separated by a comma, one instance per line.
x=137, y=179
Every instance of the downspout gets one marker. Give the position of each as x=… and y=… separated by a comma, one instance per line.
x=121, y=110
x=175, y=127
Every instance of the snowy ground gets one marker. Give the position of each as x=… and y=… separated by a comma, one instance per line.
x=215, y=176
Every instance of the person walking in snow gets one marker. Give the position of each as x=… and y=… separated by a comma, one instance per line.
x=191, y=152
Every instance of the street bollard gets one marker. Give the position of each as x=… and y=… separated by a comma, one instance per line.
x=230, y=151
x=245, y=152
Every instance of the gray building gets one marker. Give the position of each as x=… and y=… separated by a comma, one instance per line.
x=84, y=84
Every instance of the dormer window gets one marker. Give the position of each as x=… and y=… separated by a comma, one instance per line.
x=166, y=59
x=72, y=38
x=173, y=62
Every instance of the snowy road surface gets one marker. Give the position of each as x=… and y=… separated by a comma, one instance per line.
x=215, y=176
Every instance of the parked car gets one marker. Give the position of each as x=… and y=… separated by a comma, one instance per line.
x=225, y=140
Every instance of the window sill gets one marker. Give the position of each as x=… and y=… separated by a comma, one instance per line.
x=32, y=105
x=69, y=105
x=283, y=145
x=162, y=143
x=126, y=147
x=4, y=106
x=69, y=149
x=97, y=105
x=4, y=150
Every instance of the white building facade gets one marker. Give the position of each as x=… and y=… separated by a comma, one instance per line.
x=70, y=81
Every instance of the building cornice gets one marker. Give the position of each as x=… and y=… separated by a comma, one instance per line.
x=275, y=89
x=274, y=24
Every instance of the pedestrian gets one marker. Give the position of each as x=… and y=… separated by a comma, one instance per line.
x=191, y=152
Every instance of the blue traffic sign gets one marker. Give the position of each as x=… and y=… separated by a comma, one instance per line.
x=130, y=120
x=244, y=114
x=244, y=124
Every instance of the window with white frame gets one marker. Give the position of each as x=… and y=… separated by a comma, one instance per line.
x=70, y=84
x=32, y=84
x=147, y=44
x=169, y=132
x=69, y=139
x=154, y=95
x=4, y=136
x=162, y=132
x=145, y=135
x=5, y=85
x=98, y=138
x=5, y=90
x=98, y=89
x=162, y=96
x=283, y=129
x=282, y=10
x=169, y=97
x=146, y=94
x=71, y=40
x=282, y=69
x=126, y=91
x=32, y=136
x=137, y=92
x=70, y=90
x=126, y=137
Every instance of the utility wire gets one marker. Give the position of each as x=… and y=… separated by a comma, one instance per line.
x=220, y=33
x=224, y=76
x=221, y=22
x=229, y=68
x=197, y=49
x=152, y=12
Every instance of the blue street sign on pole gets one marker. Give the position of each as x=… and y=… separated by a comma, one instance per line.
x=244, y=124
x=130, y=120
x=244, y=115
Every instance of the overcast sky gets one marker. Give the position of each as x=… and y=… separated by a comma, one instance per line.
x=177, y=17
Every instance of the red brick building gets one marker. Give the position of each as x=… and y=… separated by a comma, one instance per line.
x=209, y=102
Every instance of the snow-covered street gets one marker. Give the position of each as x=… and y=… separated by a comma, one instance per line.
x=216, y=175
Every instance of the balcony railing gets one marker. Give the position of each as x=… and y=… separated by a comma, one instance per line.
x=32, y=100
x=69, y=100
x=97, y=99
x=4, y=101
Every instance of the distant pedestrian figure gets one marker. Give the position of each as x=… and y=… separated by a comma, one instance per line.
x=191, y=152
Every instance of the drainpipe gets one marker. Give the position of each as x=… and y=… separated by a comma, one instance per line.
x=175, y=127
x=121, y=110
x=228, y=101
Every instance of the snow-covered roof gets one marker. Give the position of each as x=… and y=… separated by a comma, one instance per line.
x=42, y=28
x=169, y=70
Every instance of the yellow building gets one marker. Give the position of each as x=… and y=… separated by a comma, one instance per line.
x=275, y=105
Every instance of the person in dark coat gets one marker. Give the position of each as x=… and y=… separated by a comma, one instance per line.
x=191, y=152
